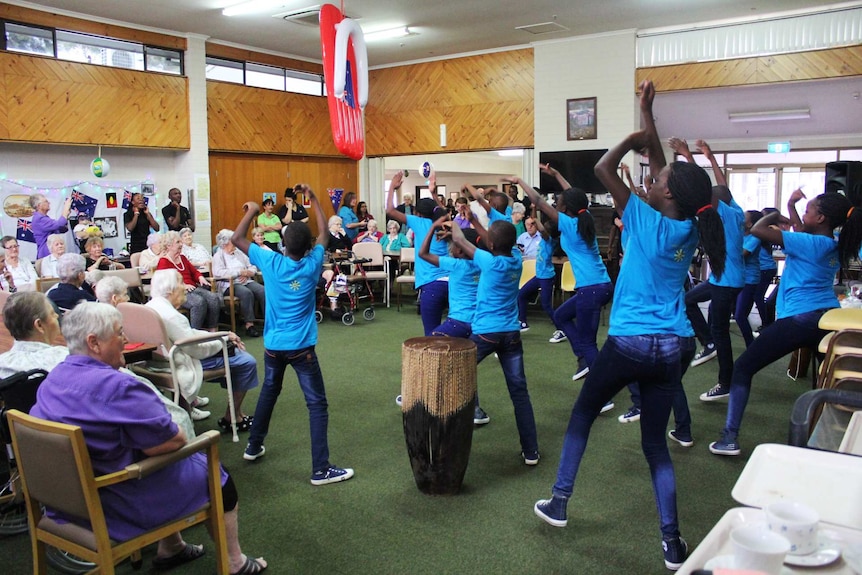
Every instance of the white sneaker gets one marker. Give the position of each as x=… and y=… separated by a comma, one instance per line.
x=398, y=400
x=201, y=402
x=558, y=337
x=199, y=414
x=607, y=407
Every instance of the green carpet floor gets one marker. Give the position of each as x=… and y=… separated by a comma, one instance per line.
x=378, y=522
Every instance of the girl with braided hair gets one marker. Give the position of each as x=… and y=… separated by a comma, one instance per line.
x=650, y=340
x=804, y=294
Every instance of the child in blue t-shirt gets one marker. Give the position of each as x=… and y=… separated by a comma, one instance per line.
x=649, y=338
x=543, y=281
x=751, y=248
x=290, y=333
x=804, y=294
x=495, y=323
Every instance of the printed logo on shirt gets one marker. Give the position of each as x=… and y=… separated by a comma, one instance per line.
x=679, y=255
x=295, y=285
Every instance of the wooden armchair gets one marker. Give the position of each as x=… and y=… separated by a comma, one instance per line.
x=56, y=472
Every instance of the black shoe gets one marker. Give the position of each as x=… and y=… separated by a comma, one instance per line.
x=251, y=331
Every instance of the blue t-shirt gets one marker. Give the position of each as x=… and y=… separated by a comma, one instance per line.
x=544, y=259
x=290, y=286
x=649, y=296
x=494, y=216
x=767, y=262
x=733, y=219
x=809, y=272
x=752, y=261
x=587, y=264
x=426, y=272
x=348, y=216
x=497, y=305
x=463, y=286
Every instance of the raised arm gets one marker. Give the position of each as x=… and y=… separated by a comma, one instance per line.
x=425, y=248
x=653, y=144
x=239, y=238
x=538, y=201
x=720, y=177
x=461, y=241
x=391, y=212
x=606, y=168
x=432, y=187
x=680, y=146
x=766, y=228
x=547, y=169
x=624, y=168
x=792, y=214
x=476, y=194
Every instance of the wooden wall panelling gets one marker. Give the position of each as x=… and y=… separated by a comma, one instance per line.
x=50, y=100
x=49, y=19
x=810, y=65
x=485, y=101
x=233, y=53
x=4, y=108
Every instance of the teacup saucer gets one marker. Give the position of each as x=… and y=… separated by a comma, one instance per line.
x=727, y=562
x=828, y=551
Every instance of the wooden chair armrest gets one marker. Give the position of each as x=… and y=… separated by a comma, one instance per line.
x=150, y=465
x=195, y=339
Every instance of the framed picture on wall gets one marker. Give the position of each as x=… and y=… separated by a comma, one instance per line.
x=108, y=226
x=581, y=119
x=148, y=189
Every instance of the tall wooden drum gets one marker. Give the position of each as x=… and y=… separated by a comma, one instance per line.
x=438, y=390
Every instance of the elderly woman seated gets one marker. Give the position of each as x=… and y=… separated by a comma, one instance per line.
x=112, y=290
x=96, y=260
x=229, y=262
x=34, y=325
x=168, y=293
x=72, y=288
x=23, y=273
x=150, y=257
x=57, y=245
x=202, y=303
x=124, y=421
x=195, y=253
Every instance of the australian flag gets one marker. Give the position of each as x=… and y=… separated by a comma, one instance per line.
x=127, y=199
x=25, y=231
x=83, y=203
x=335, y=197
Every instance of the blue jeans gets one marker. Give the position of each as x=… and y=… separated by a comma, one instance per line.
x=433, y=299
x=766, y=277
x=546, y=289
x=453, y=328
x=579, y=317
x=722, y=301
x=777, y=340
x=304, y=363
x=243, y=369
x=657, y=362
x=509, y=350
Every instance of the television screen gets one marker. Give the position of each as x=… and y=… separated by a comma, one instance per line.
x=576, y=166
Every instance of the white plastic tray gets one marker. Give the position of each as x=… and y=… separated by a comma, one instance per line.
x=717, y=542
x=829, y=482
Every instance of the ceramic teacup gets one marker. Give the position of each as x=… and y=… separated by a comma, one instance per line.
x=758, y=549
x=795, y=522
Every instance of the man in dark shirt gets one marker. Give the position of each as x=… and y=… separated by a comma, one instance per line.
x=176, y=216
x=291, y=211
x=139, y=220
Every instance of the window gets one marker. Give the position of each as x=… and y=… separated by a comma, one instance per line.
x=304, y=83
x=29, y=39
x=102, y=51
x=225, y=70
x=263, y=76
x=163, y=60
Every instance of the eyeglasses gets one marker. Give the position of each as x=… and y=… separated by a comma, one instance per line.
x=11, y=247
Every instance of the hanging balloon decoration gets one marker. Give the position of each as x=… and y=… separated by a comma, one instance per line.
x=100, y=166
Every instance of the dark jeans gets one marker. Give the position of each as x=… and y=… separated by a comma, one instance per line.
x=510, y=352
x=579, y=317
x=526, y=293
x=722, y=301
x=453, y=328
x=766, y=277
x=657, y=362
x=744, y=303
x=304, y=363
x=433, y=299
x=780, y=338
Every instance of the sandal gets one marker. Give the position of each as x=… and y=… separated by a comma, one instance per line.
x=243, y=424
x=250, y=567
x=190, y=553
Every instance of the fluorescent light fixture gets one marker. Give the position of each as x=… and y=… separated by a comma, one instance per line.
x=511, y=153
x=253, y=6
x=770, y=115
x=388, y=34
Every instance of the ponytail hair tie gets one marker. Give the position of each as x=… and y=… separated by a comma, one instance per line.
x=850, y=211
x=703, y=209
x=582, y=210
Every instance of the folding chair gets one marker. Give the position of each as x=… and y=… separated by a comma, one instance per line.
x=56, y=473
x=374, y=252
x=567, y=279
x=405, y=272
x=528, y=272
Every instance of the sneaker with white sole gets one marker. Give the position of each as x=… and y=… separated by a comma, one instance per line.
x=681, y=438
x=201, y=402
x=398, y=400
x=480, y=417
x=524, y=327
x=558, y=337
x=250, y=455
x=331, y=474
x=632, y=415
x=727, y=445
x=607, y=407
x=198, y=414
x=717, y=392
x=583, y=370
x=531, y=457
x=675, y=551
x=704, y=355
x=552, y=511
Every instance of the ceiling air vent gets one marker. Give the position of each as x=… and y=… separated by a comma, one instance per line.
x=542, y=28
x=309, y=16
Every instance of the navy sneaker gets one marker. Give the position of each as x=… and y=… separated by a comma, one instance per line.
x=632, y=415
x=398, y=400
x=704, y=355
x=683, y=439
x=480, y=417
x=524, y=327
x=331, y=474
x=250, y=455
x=531, y=457
x=552, y=511
x=558, y=336
x=727, y=445
x=717, y=392
x=675, y=552
x=607, y=407
x=583, y=370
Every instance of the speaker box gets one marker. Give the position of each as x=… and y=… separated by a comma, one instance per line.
x=845, y=177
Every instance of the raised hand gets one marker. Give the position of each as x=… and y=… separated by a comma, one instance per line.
x=251, y=207
x=797, y=195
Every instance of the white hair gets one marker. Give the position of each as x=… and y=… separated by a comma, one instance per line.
x=69, y=266
x=35, y=200
x=110, y=286
x=85, y=319
x=164, y=283
x=223, y=237
x=185, y=231
x=168, y=238
x=518, y=208
x=392, y=224
x=54, y=237
x=153, y=239
x=372, y=223
x=334, y=220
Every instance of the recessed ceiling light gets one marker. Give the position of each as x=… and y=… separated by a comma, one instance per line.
x=389, y=33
